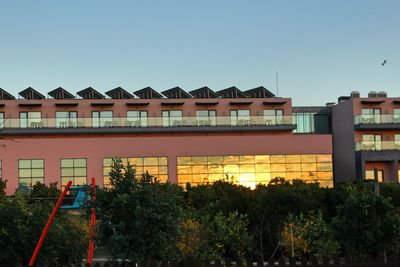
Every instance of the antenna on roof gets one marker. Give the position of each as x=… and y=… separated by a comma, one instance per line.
x=277, y=83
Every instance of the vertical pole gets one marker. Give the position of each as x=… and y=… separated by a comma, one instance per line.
x=292, y=241
x=92, y=223
x=48, y=224
x=376, y=182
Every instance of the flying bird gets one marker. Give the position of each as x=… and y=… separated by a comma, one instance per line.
x=384, y=62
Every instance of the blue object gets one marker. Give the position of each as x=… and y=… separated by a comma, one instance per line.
x=78, y=194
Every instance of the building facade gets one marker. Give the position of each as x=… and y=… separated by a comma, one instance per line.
x=366, y=136
x=247, y=137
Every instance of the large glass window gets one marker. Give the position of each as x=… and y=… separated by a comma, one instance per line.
x=31, y=119
x=273, y=116
x=172, y=118
x=240, y=117
x=371, y=115
x=74, y=170
x=372, y=142
x=206, y=117
x=136, y=118
x=156, y=166
x=102, y=118
x=397, y=141
x=66, y=119
x=304, y=122
x=370, y=175
x=1, y=120
x=30, y=172
x=250, y=170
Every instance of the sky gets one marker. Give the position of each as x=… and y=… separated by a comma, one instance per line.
x=319, y=49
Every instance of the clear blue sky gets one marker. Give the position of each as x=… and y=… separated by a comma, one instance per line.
x=321, y=49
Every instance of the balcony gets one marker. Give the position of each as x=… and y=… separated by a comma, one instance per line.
x=377, y=146
x=145, y=124
x=377, y=122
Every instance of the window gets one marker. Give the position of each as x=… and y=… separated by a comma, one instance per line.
x=31, y=171
x=372, y=142
x=74, y=170
x=273, y=116
x=31, y=119
x=396, y=115
x=136, y=118
x=1, y=120
x=250, y=170
x=66, y=119
x=304, y=122
x=172, y=118
x=206, y=117
x=156, y=166
x=397, y=141
x=102, y=118
x=240, y=117
x=370, y=175
x=371, y=115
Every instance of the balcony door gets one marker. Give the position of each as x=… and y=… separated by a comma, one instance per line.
x=372, y=142
x=30, y=119
x=172, y=118
x=102, y=118
x=206, y=117
x=397, y=141
x=136, y=118
x=273, y=116
x=66, y=119
x=371, y=115
x=240, y=117
x=396, y=115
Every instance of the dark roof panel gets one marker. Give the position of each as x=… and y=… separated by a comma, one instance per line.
x=30, y=93
x=203, y=92
x=258, y=92
x=90, y=93
x=119, y=93
x=4, y=95
x=147, y=93
x=176, y=92
x=60, y=93
x=231, y=92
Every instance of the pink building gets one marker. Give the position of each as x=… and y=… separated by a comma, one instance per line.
x=197, y=137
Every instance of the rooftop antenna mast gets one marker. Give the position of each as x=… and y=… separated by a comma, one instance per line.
x=277, y=83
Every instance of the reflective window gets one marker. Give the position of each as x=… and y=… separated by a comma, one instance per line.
x=66, y=119
x=102, y=118
x=156, y=166
x=30, y=172
x=396, y=115
x=136, y=118
x=172, y=118
x=240, y=117
x=397, y=141
x=31, y=119
x=73, y=170
x=1, y=120
x=250, y=170
x=206, y=117
x=370, y=175
x=273, y=116
x=304, y=122
x=371, y=115
x=372, y=142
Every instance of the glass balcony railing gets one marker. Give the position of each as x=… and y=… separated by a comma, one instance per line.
x=147, y=122
x=377, y=119
x=377, y=146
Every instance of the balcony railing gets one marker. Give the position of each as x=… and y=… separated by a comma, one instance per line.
x=243, y=121
x=377, y=119
x=377, y=146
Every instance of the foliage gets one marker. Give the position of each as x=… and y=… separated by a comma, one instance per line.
x=310, y=236
x=22, y=222
x=139, y=217
x=366, y=223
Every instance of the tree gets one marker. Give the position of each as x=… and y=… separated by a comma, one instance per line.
x=139, y=217
x=366, y=223
x=308, y=235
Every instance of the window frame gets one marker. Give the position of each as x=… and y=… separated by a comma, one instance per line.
x=172, y=121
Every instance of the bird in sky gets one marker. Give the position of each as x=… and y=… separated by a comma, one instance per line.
x=384, y=62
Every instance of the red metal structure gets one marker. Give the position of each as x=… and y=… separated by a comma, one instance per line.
x=48, y=225
x=92, y=223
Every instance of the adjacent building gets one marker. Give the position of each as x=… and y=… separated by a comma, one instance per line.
x=247, y=137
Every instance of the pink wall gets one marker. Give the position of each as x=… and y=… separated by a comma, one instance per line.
x=95, y=147
x=48, y=108
x=386, y=107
